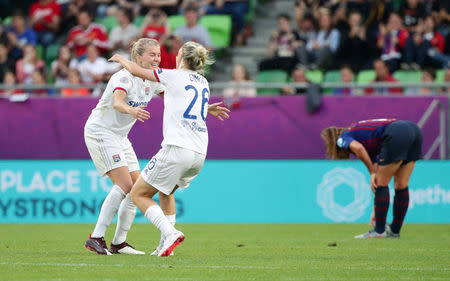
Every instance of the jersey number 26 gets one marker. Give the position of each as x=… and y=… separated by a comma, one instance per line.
x=205, y=95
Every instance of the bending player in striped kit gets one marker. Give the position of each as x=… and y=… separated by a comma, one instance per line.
x=388, y=148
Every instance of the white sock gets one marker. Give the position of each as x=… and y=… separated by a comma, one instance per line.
x=125, y=217
x=108, y=211
x=156, y=216
x=171, y=219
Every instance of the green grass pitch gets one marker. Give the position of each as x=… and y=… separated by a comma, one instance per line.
x=229, y=252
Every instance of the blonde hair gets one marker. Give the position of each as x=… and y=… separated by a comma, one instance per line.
x=141, y=45
x=330, y=136
x=196, y=56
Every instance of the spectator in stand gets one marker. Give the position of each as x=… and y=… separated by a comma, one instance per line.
x=200, y=5
x=282, y=47
x=441, y=14
x=237, y=9
x=86, y=33
x=61, y=66
x=354, y=49
x=9, y=79
x=69, y=17
x=428, y=76
x=169, y=52
x=28, y=64
x=320, y=50
x=445, y=90
x=311, y=7
x=38, y=78
x=383, y=75
x=419, y=45
x=44, y=18
x=378, y=13
x=122, y=36
x=298, y=76
x=241, y=85
x=94, y=68
x=347, y=77
x=170, y=7
x=391, y=41
x=74, y=78
x=306, y=30
x=413, y=12
x=6, y=62
x=19, y=35
x=155, y=25
x=192, y=31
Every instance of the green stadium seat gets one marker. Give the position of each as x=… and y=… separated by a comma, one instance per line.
x=108, y=22
x=51, y=53
x=138, y=21
x=219, y=27
x=315, y=76
x=176, y=21
x=365, y=76
x=333, y=76
x=7, y=21
x=40, y=51
x=268, y=76
x=251, y=11
x=408, y=76
x=440, y=75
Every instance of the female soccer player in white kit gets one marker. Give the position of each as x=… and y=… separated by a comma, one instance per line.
x=185, y=133
x=106, y=131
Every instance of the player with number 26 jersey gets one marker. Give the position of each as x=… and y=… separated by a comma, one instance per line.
x=185, y=109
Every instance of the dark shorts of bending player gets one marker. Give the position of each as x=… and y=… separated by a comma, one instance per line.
x=402, y=141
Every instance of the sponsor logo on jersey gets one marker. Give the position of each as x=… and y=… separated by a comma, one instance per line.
x=137, y=103
x=147, y=91
x=116, y=158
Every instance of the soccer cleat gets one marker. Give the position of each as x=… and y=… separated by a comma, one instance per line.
x=170, y=242
x=156, y=251
x=125, y=248
x=97, y=245
x=390, y=234
x=371, y=234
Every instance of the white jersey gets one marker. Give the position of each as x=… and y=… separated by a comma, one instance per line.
x=185, y=109
x=139, y=92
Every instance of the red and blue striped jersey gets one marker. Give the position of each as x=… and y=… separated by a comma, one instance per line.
x=369, y=133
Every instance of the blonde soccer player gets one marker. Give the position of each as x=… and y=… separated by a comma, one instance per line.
x=185, y=133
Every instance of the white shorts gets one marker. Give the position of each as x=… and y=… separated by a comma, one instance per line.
x=172, y=166
x=109, y=151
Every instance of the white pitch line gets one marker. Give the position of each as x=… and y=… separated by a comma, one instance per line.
x=141, y=265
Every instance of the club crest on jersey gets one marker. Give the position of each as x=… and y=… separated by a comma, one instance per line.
x=159, y=70
x=147, y=91
x=116, y=158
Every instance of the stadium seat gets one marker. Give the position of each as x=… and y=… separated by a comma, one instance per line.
x=40, y=51
x=315, y=76
x=408, y=76
x=268, y=76
x=51, y=53
x=366, y=76
x=176, y=21
x=138, y=21
x=219, y=27
x=440, y=75
x=6, y=21
x=251, y=11
x=108, y=22
x=333, y=76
